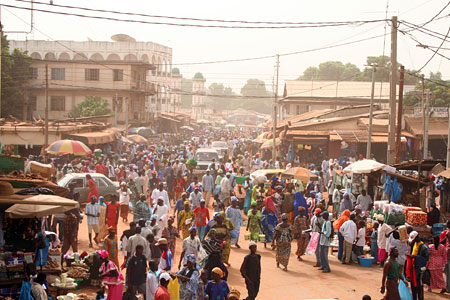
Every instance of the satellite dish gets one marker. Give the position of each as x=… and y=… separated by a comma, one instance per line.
x=122, y=38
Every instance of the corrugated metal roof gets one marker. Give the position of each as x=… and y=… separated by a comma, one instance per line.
x=437, y=127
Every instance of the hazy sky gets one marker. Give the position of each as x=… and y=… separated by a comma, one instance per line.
x=211, y=44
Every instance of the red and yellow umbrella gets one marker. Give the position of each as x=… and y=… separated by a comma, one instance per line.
x=68, y=147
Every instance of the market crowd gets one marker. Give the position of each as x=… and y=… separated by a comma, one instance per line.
x=165, y=202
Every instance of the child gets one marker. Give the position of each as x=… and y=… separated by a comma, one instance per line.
x=202, y=284
x=179, y=206
x=360, y=239
x=217, y=204
x=254, y=222
x=374, y=241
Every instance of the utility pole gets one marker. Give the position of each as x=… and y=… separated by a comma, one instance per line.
x=126, y=116
x=392, y=93
x=1, y=58
x=372, y=94
x=448, y=140
x=426, y=121
x=399, y=114
x=275, y=108
x=423, y=113
x=46, y=113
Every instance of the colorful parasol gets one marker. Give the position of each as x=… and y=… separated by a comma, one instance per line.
x=68, y=147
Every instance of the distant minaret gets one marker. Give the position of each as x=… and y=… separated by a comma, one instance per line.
x=198, y=98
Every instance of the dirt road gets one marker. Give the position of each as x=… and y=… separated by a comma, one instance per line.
x=302, y=281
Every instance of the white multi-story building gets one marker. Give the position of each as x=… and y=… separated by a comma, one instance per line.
x=198, y=96
x=137, y=73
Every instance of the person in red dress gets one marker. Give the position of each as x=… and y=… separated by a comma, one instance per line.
x=92, y=188
x=112, y=213
x=436, y=264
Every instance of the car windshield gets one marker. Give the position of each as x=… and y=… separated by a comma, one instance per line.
x=64, y=181
x=207, y=156
x=219, y=145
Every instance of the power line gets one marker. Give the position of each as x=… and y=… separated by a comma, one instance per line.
x=316, y=25
x=435, y=51
x=191, y=19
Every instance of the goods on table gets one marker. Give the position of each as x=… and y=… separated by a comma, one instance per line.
x=52, y=264
x=65, y=282
x=69, y=296
x=78, y=272
x=417, y=218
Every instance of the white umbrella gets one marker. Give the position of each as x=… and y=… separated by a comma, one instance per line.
x=364, y=166
x=230, y=126
x=46, y=205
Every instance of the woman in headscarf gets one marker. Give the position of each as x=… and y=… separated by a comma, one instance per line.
x=337, y=225
x=301, y=224
x=437, y=261
x=170, y=233
x=223, y=226
x=234, y=214
x=111, y=276
x=217, y=288
x=124, y=201
x=93, y=191
x=299, y=200
x=268, y=221
x=186, y=220
x=188, y=278
x=283, y=239
x=254, y=222
x=346, y=203
x=248, y=194
x=110, y=245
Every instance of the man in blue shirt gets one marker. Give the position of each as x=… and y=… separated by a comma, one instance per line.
x=324, y=243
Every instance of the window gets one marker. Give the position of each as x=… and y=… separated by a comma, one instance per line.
x=100, y=182
x=117, y=104
x=92, y=74
x=33, y=73
x=298, y=109
x=32, y=102
x=58, y=74
x=118, y=75
x=288, y=109
x=57, y=103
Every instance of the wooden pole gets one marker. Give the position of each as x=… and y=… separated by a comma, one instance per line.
x=46, y=114
x=372, y=94
x=399, y=115
x=392, y=93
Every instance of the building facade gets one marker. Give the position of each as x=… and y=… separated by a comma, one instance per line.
x=198, y=97
x=132, y=76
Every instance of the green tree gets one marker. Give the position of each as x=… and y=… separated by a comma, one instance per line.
x=15, y=76
x=332, y=70
x=91, y=106
x=220, y=97
x=310, y=73
x=440, y=92
x=259, y=99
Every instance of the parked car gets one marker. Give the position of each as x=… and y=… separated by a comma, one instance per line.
x=204, y=158
x=105, y=186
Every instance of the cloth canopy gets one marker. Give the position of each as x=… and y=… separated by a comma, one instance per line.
x=300, y=173
x=364, y=166
x=46, y=205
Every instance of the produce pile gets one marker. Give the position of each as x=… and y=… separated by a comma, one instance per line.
x=65, y=282
x=78, y=271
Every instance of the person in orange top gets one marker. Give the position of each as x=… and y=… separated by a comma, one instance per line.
x=337, y=225
x=201, y=218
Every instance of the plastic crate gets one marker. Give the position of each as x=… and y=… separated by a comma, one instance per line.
x=366, y=262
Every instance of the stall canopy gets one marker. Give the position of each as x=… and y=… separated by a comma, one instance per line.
x=95, y=138
x=300, y=173
x=268, y=143
x=138, y=139
x=45, y=205
x=364, y=166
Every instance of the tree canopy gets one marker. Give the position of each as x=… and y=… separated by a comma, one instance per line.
x=15, y=76
x=440, y=92
x=91, y=106
x=336, y=70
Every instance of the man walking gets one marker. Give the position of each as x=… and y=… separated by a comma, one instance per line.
x=251, y=271
x=161, y=193
x=92, y=212
x=208, y=186
x=349, y=232
x=136, y=271
x=195, y=197
x=225, y=188
x=324, y=243
x=391, y=275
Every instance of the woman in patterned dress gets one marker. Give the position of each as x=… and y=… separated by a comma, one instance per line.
x=283, y=238
x=111, y=276
x=436, y=263
x=110, y=245
x=170, y=233
x=186, y=220
x=301, y=224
